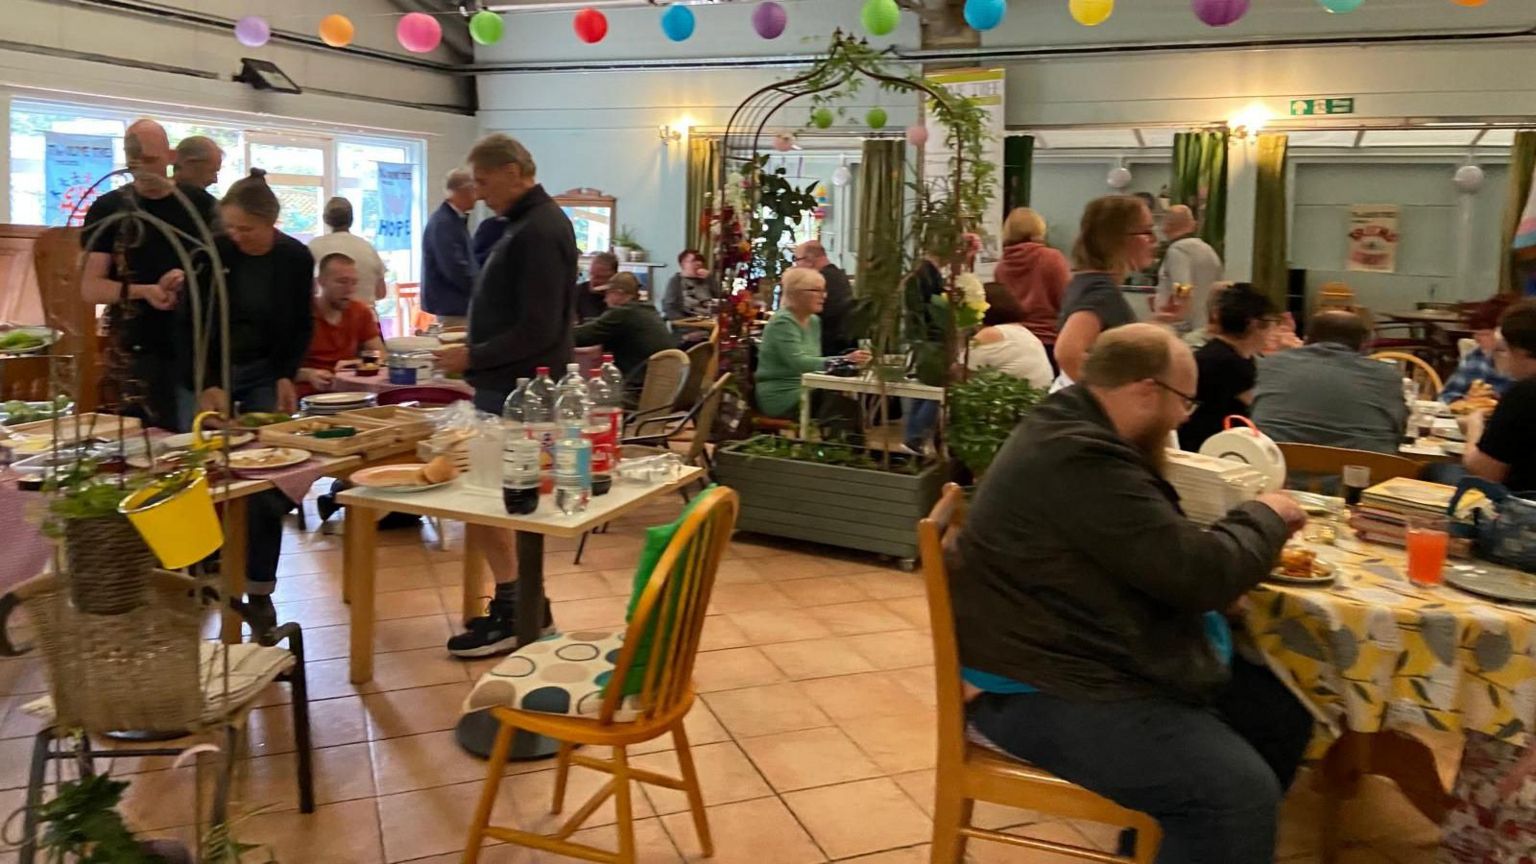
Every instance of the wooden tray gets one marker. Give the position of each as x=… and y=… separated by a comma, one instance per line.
x=103, y=426
x=411, y=424
x=371, y=434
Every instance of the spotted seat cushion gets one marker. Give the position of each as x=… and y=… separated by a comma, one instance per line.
x=561, y=674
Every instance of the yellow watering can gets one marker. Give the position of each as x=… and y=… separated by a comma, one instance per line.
x=175, y=515
x=201, y=441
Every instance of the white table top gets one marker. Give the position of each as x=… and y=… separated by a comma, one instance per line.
x=867, y=383
x=464, y=503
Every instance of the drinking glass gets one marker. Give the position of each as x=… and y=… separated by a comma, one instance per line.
x=1357, y=478
x=1427, y=542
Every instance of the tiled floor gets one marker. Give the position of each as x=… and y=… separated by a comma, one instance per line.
x=813, y=734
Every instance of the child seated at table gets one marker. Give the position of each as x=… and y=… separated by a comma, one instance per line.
x=344, y=326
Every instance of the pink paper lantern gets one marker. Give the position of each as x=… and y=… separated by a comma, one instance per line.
x=419, y=32
x=252, y=31
x=769, y=19
x=917, y=135
x=1220, y=13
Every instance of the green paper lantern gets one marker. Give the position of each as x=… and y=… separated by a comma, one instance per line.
x=875, y=119
x=822, y=118
x=880, y=17
x=486, y=27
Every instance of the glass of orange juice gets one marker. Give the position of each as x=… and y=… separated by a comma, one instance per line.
x=1427, y=539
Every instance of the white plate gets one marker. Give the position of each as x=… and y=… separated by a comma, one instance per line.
x=408, y=344
x=395, y=478
x=186, y=439
x=48, y=335
x=1434, y=408
x=266, y=458
x=1324, y=570
x=334, y=399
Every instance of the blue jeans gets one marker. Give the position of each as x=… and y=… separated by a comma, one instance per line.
x=1213, y=777
x=922, y=419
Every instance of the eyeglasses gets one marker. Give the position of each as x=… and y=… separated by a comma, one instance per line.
x=1191, y=404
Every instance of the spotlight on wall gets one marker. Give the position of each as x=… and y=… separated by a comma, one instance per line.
x=667, y=134
x=1248, y=122
x=264, y=75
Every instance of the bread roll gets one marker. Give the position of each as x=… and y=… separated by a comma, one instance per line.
x=440, y=470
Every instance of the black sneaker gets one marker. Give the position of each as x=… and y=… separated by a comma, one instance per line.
x=261, y=614
x=495, y=632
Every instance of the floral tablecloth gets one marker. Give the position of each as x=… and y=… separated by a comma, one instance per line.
x=1373, y=651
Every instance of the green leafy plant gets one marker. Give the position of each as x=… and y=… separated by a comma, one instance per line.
x=623, y=237
x=825, y=453
x=79, y=492
x=776, y=210
x=983, y=412
x=221, y=847
x=82, y=822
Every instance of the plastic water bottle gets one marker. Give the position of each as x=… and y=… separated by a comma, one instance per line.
x=573, y=470
x=571, y=382
x=539, y=419
x=520, y=475
x=613, y=376
x=604, y=419
x=514, y=418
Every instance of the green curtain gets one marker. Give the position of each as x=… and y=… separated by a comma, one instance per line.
x=1522, y=161
x=882, y=185
x=1018, y=171
x=703, y=184
x=1200, y=182
x=1270, y=253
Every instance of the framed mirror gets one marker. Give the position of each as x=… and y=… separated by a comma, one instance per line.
x=595, y=217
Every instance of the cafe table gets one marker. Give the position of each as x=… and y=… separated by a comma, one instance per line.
x=863, y=384
x=473, y=505
x=1375, y=657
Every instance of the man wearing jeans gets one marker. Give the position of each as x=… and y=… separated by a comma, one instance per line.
x=1088, y=612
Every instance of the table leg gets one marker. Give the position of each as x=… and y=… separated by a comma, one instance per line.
x=476, y=731
x=357, y=567
x=474, y=578
x=1401, y=758
x=232, y=565
x=805, y=414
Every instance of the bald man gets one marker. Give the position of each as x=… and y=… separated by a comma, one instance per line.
x=1089, y=612
x=835, y=327
x=1188, y=261
x=139, y=272
x=198, y=161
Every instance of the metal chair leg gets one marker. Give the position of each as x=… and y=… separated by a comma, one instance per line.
x=581, y=546
x=298, y=683
x=41, y=753
x=226, y=779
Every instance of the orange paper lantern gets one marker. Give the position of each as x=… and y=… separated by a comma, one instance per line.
x=1469, y=3
x=336, y=31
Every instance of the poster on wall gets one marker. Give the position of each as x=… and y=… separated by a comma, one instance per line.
x=395, y=182
x=71, y=163
x=1373, y=238
x=987, y=87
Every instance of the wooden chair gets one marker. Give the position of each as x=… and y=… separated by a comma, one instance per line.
x=1336, y=295
x=665, y=373
x=672, y=607
x=701, y=358
x=1421, y=372
x=968, y=772
x=1317, y=463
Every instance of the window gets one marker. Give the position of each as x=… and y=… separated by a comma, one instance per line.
x=304, y=169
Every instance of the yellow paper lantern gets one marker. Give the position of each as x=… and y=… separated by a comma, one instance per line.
x=336, y=31
x=1091, y=13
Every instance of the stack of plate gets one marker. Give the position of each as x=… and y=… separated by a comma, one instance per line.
x=1208, y=487
x=334, y=403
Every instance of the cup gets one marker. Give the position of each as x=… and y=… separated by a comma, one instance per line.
x=1427, y=541
x=1357, y=478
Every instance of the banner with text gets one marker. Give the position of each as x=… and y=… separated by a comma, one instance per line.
x=395, y=185
x=71, y=163
x=1373, y=238
x=987, y=87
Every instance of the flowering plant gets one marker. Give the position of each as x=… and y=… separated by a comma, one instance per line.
x=973, y=300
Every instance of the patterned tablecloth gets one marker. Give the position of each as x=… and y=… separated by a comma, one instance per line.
x=1373, y=651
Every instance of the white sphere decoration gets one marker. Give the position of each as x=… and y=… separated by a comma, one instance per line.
x=1119, y=177
x=1469, y=178
x=841, y=175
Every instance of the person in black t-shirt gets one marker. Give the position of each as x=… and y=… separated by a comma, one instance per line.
x=1505, y=448
x=142, y=319
x=1242, y=318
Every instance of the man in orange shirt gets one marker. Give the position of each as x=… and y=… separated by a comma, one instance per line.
x=344, y=326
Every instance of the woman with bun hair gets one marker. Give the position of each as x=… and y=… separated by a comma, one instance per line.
x=269, y=279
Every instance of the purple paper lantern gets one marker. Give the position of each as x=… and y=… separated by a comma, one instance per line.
x=252, y=31
x=769, y=19
x=1220, y=13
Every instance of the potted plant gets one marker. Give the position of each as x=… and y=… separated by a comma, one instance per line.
x=626, y=246
x=983, y=411
x=108, y=562
x=82, y=822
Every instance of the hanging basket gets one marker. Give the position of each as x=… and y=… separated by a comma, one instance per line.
x=109, y=565
x=177, y=519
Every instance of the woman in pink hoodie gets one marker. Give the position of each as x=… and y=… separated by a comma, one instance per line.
x=1034, y=273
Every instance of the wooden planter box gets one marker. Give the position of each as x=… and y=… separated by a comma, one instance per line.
x=852, y=508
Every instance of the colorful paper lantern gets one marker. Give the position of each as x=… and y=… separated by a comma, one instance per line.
x=1468, y=179
x=769, y=19
x=591, y=26
x=880, y=17
x=486, y=27
x=985, y=14
x=336, y=31
x=1220, y=13
x=1339, y=7
x=1091, y=13
x=677, y=22
x=252, y=31
x=917, y=135
x=418, y=32
x=876, y=118
x=822, y=118
x=1118, y=178
x=1469, y=3
x=841, y=176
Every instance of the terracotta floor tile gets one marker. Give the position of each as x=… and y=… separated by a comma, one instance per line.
x=599, y=613
x=737, y=571
x=341, y=774
x=919, y=786
x=909, y=855
x=858, y=818
x=532, y=794
x=721, y=632
x=811, y=757
x=420, y=668
x=577, y=586
x=765, y=710
x=407, y=604
x=897, y=649
x=851, y=619
x=822, y=591
x=888, y=584
x=913, y=610
x=865, y=694
x=433, y=821
x=732, y=668
x=725, y=776
x=778, y=625
x=347, y=831
x=747, y=597
x=419, y=761
x=701, y=726
x=399, y=634
x=898, y=742
x=749, y=832
x=332, y=722
x=410, y=578
x=986, y=852
x=816, y=658
x=411, y=712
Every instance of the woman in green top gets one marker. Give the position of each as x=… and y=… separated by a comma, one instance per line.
x=791, y=344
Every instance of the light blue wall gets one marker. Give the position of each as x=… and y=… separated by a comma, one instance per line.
x=1060, y=188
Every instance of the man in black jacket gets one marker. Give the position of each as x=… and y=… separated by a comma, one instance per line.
x=520, y=318
x=1088, y=612
x=836, y=315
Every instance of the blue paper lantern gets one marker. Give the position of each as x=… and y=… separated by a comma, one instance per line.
x=677, y=22
x=985, y=14
x=1339, y=7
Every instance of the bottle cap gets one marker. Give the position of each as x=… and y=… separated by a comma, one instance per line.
x=541, y=371
x=607, y=358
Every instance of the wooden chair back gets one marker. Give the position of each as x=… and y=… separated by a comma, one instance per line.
x=57, y=259
x=665, y=373
x=671, y=608
x=700, y=358
x=1417, y=369
x=935, y=534
x=1336, y=295
x=1314, y=463
x=704, y=421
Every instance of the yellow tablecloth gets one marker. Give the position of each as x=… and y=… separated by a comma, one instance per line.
x=1373, y=651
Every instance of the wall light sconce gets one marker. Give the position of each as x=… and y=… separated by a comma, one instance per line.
x=668, y=135
x=1249, y=122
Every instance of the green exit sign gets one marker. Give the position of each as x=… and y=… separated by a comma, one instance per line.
x=1311, y=107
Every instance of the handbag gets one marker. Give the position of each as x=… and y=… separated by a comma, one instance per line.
x=1508, y=535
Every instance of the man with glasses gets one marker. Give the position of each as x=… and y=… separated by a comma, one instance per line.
x=1502, y=448
x=1326, y=392
x=1088, y=612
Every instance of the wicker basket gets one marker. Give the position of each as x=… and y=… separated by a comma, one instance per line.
x=108, y=565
